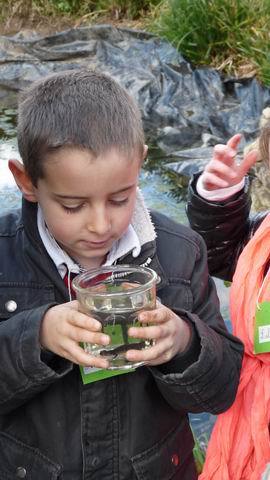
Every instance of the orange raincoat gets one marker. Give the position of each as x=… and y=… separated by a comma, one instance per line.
x=239, y=447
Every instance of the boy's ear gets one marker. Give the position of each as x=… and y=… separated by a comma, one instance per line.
x=145, y=151
x=144, y=155
x=22, y=179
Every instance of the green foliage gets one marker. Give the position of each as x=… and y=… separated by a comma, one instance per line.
x=66, y=6
x=264, y=65
x=126, y=8
x=199, y=451
x=226, y=33
x=115, y=8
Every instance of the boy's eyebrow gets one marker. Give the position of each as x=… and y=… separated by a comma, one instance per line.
x=70, y=197
x=78, y=197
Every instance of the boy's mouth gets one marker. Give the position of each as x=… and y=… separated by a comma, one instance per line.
x=94, y=244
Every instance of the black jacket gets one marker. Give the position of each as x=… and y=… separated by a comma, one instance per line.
x=126, y=427
x=226, y=227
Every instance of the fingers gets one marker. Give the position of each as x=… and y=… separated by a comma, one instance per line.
x=155, y=325
x=82, y=328
x=75, y=353
x=212, y=181
x=157, y=315
x=161, y=352
x=223, y=170
x=84, y=321
x=81, y=335
x=220, y=173
x=163, y=327
x=63, y=329
x=224, y=154
x=234, y=141
x=68, y=345
x=153, y=332
x=248, y=161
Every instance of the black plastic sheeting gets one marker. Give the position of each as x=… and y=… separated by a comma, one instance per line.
x=178, y=102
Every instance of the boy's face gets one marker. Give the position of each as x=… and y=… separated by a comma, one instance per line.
x=88, y=202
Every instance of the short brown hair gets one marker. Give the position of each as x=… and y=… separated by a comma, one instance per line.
x=81, y=108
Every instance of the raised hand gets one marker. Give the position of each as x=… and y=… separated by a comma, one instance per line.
x=223, y=170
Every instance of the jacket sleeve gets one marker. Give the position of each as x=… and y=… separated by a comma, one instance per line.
x=225, y=227
x=210, y=382
x=26, y=369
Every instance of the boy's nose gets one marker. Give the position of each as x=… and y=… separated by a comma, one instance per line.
x=99, y=223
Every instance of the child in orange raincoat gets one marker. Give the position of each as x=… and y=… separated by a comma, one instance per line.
x=239, y=249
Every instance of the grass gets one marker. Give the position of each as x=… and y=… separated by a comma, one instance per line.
x=199, y=451
x=49, y=16
x=31, y=12
x=230, y=35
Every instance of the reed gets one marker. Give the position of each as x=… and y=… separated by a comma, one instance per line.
x=231, y=35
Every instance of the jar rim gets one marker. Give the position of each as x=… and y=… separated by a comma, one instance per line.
x=115, y=271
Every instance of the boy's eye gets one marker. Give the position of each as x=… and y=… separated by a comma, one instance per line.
x=119, y=202
x=72, y=209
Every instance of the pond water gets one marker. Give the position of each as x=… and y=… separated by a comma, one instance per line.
x=158, y=193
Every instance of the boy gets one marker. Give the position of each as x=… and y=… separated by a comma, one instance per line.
x=81, y=141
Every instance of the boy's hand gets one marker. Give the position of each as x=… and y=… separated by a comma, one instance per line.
x=223, y=171
x=170, y=333
x=64, y=327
